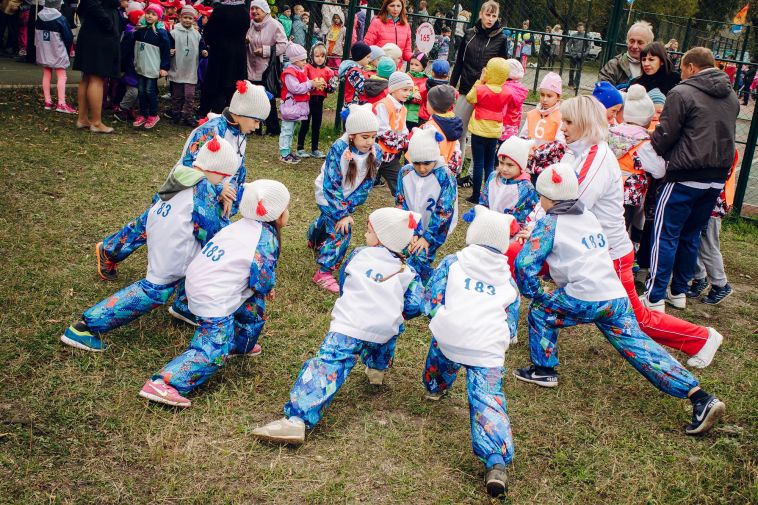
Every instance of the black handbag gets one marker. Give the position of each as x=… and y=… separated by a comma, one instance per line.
x=272, y=75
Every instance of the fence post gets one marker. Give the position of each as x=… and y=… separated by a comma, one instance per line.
x=345, y=55
x=747, y=163
x=617, y=15
x=744, y=43
x=686, y=38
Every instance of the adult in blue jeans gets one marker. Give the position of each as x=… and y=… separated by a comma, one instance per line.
x=696, y=136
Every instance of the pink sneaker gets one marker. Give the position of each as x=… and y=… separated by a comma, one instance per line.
x=139, y=121
x=326, y=281
x=163, y=393
x=151, y=121
x=49, y=106
x=65, y=108
x=255, y=351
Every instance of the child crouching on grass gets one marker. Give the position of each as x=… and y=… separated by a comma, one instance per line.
x=427, y=187
x=227, y=284
x=176, y=231
x=473, y=305
x=343, y=185
x=571, y=240
x=378, y=291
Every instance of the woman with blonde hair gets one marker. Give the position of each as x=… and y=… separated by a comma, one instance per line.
x=586, y=129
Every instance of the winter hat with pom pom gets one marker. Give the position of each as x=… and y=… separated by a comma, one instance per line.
x=491, y=228
x=517, y=150
x=638, y=107
x=134, y=6
x=250, y=101
x=361, y=119
x=217, y=156
x=516, y=70
x=264, y=200
x=558, y=183
x=424, y=145
x=394, y=227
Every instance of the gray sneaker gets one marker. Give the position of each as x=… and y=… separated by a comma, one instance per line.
x=318, y=154
x=290, y=159
x=286, y=431
x=301, y=153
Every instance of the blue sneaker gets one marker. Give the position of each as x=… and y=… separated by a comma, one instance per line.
x=697, y=287
x=717, y=294
x=78, y=335
x=183, y=315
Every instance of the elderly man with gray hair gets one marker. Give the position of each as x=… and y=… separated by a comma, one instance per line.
x=620, y=70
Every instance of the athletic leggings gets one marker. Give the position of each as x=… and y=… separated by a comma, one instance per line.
x=60, y=75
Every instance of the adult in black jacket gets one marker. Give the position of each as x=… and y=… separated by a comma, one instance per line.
x=657, y=69
x=97, y=57
x=696, y=136
x=484, y=41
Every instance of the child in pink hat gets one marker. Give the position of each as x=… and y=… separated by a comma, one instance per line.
x=543, y=125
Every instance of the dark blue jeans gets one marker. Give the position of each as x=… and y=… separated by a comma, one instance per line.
x=147, y=90
x=682, y=214
x=484, y=153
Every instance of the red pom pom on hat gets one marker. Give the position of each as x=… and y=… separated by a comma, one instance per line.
x=260, y=209
x=557, y=179
x=214, y=146
x=412, y=222
x=241, y=87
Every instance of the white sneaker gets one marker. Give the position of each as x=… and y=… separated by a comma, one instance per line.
x=659, y=306
x=676, y=301
x=287, y=431
x=703, y=358
x=435, y=397
x=375, y=377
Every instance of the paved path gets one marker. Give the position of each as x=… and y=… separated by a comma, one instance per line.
x=13, y=73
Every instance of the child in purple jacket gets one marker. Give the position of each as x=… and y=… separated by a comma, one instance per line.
x=129, y=78
x=295, y=95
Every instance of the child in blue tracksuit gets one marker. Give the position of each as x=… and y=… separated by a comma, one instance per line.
x=571, y=240
x=176, y=231
x=152, y=59
x=426, y=186
x=379, y=290
x=249, y=105
x=473, y=305
x=226, y=286
x=344, y=183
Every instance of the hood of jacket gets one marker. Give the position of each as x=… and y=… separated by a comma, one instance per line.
x=310, y=55
x=518, y=90
x=452, y=127
x=260, y=26
x=711, y=81
x=48, y=14
x=432, y=82
x=345, y=66
x=374, y=87
x=485, y=264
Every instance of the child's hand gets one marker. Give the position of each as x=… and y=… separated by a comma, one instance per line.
x=204, y=53
x=343, y=225
x=172, y=52
x=416, y=94
x=523, y=235
x=227, y=197
x=163, y=73
x=419, y=245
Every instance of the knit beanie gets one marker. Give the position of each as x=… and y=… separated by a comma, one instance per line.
x=392, y=50
x=424, y=145
x=558, y=183
x=517, y=150
x=385, y=67
x=262, y=5
x=295, y=52
x=422, y=58
x=552, y=82
x=361, y=119
x=394, y=227
x=155, y=8
x=497, y=71
x=250, y=101
x=264, y=200
x=188, y=9
x=441, y=98
x=217, y=156
x=133, y=6
x=607, y=94
x=516, y=70
x=376, y=52
x=490, y=228
x=135, y=16
x=359, y=51
x=399, y=80
x=638, y=107
x=657, y=97
x=441, y=67
x=284, y=9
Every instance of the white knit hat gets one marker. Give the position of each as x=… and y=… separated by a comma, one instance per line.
x=392, y=51
x=399, y=80
x=491, y=228
x=264, y=200
x=394, y=227
x=516, y=71
x=424, y=145
x=250, y=101
x=217, y=156
x=639, y=108
x=361, y=119
x=558, y=183
x=262, y=5
x=295, y=52
x=517, y=149
x=133, y=6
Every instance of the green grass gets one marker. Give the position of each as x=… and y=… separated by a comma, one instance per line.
x=73, y=430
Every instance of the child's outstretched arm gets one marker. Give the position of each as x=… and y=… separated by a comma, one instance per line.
x=414, y=298
x=400, y=201
x=263, y=267
x=533, y=255
x=527, y=200
x=434, y=295
x=339, y=207
x=442, y=215
x=207, y=213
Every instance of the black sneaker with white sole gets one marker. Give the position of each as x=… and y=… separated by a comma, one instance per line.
x=542, y=376
x=496, y=481
x=697, y=287
x=704, y=415
x=717, y=294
